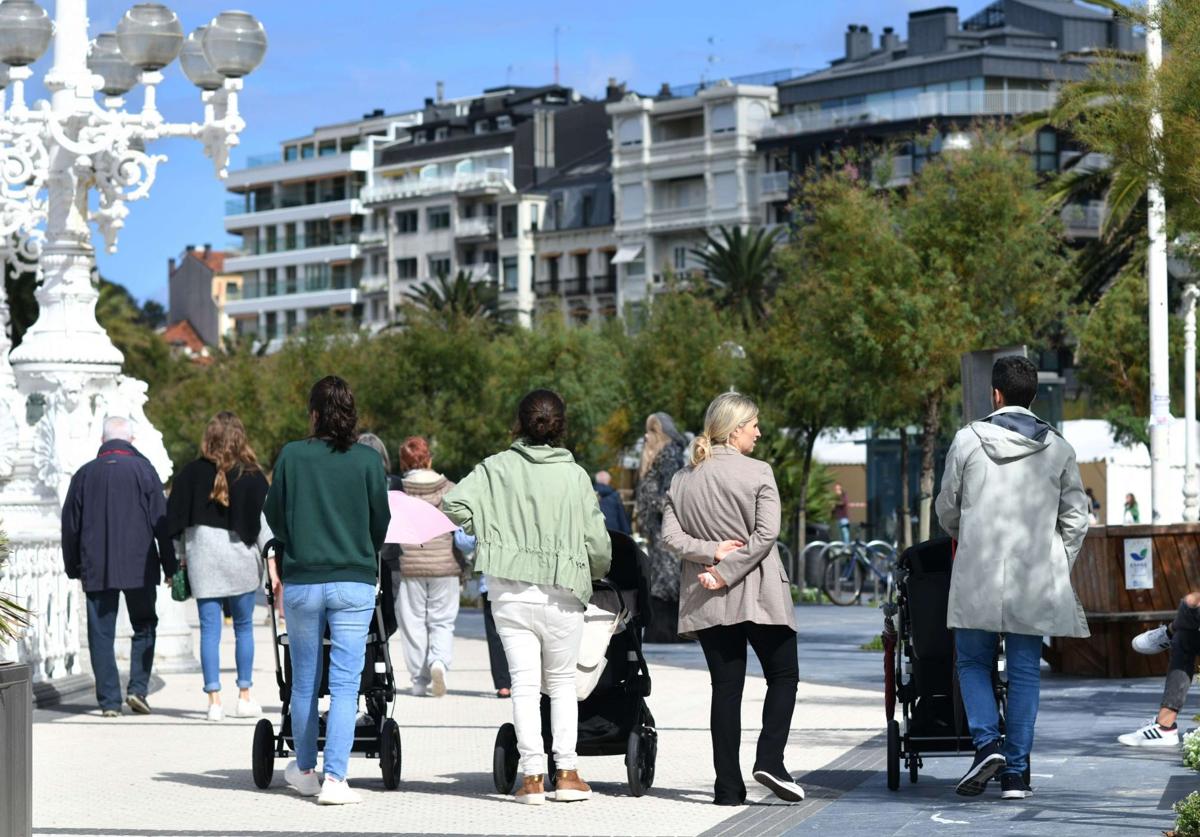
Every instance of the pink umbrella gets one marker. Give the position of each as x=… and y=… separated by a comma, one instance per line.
x=414, y=521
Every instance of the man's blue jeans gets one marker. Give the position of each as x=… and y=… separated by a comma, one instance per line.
x=346, y=607
x=976, y=660
x=102, y=635
x=211, y=619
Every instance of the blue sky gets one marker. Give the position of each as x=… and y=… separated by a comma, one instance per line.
x=330, y=62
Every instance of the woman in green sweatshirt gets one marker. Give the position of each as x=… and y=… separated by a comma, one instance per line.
x=541, y=540
x=328, y=504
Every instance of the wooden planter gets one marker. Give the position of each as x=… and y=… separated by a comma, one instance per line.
x=1116, y=615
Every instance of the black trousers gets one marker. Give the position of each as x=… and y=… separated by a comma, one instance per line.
x=1185, y=646
x=496, y=658
x=725, y=652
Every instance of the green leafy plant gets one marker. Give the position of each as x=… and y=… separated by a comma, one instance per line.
x=876, y=644
x=1191, y=750
x=805, y=595
x=13, y=615
x=1187, y=816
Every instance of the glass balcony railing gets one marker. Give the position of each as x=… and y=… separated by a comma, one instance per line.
x=244, y=206
x=298, y=242
x=325, y=281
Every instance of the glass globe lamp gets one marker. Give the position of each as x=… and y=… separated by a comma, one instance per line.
x=25, y=31
x=195, y=65
x=235, y=44
x=105, y=60
x=150, y=36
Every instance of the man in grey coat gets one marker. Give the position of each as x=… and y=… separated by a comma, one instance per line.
x=1012, y=497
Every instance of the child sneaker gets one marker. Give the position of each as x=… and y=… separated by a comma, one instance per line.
x=334, y=792
x=215, y=713
x=305, y=784
x=1152, y=642
x=1151, y=735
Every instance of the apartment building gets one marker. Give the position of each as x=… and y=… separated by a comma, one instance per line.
x=460, y=192
x=199, y=288
x=1004, y=61
x=682, y=166
x=299, y=216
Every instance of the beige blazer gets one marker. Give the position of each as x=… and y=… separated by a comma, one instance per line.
x=729, y=497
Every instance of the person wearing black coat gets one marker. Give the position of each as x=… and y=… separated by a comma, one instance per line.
x=611, y=506
x=114, y=541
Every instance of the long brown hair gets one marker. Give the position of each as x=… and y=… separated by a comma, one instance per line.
x=226, y=446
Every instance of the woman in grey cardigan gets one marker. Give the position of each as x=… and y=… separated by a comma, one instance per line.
x=722, y=518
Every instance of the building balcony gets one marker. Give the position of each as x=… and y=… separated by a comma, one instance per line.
x=393, y=190
x=373, y=283
x=326, y=298
x=774, y=185
x=964, y=103
x=291, y=214
x=372, y=239
x=262, y=171
x=258, y=256
x=481, y=272
x=483, y=226
x=606, y=284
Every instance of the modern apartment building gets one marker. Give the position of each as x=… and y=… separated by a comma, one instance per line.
x=459, y=191
x=199, y=288
x=1006, y=60
x=682, y=166
x=299, y=215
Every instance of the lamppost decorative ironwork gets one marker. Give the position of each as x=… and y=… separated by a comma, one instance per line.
x=58, y=385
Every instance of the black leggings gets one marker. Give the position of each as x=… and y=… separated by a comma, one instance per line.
x=1185, y=646
x=725, y=652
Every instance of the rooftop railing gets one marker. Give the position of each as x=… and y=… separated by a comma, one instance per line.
x=465, y=181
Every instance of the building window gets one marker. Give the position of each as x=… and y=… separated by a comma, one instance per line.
x=307, y=151
x=272, y=281
x=439, y=265
x=438, y=217
x=924, y=151
x=1046, y=158
x=589, y=206
x=272, y=325
x=629, y=131
x=290, y=153
x=633, y=202
x=552, y=273
x=503, y=122
x=482, y=127
x=722, y=118
x=272, y=239
x=725, y=189
x=419, y=138
x=328, y=148
x=440, y=134
x=681, y=259
x=508, y=221
x=316, y=277
x=291, y=322
x=581, y=265
x=510, y=273
x=291, y=282
x=406, y=222
x=406, y=268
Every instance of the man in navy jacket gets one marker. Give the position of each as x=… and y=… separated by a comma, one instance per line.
x=113, y=541
x=615, y=517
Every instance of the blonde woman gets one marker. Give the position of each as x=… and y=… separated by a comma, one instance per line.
x=722, y=518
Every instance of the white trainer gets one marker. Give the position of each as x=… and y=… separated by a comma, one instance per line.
x=437, y=678
x=248, y=709
x=1151, y=735
x=215, y=713
x=305, y=784
x=1152, y=642
x=334, y=792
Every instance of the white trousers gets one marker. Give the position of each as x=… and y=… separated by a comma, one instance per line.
x=426, y=609
x=541, y=642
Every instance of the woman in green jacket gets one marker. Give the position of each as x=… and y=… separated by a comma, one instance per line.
x=541, y=541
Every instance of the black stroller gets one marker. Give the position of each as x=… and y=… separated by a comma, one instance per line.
x=376, y=735
x=919, y=668
x=613, y=719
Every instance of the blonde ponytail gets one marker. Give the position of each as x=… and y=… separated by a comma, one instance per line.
x=727, y=412
x=701, y=449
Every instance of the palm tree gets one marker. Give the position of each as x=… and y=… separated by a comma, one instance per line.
x=741, y=270
x=460, y=299
x=13, y=616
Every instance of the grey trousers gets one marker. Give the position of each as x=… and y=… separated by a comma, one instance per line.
x=1185, y=645
x=426, y=609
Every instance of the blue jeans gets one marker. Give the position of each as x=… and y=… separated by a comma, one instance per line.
x=976, y=660
x=242, y=609
x=346, y=607
x=102, y=636
x=844, y=527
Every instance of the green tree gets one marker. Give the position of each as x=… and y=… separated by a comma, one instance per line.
x=460, y=298
x=147, y=355
x=13, y=615
x=740, y=270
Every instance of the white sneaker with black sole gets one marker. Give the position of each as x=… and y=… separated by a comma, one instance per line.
x=1152, y=642
x=783, y=787
x=1151, y=735
x=1012, y=786
x=988, y=762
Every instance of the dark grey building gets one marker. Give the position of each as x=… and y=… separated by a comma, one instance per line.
x=1005, y=60
x=197, y=290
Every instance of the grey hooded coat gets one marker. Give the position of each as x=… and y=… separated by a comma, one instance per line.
x=1012, y=497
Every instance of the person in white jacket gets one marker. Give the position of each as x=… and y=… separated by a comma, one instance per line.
x=1012, y=497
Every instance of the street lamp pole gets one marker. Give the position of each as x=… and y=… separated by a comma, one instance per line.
x=1191, y=494
x=1156, y=275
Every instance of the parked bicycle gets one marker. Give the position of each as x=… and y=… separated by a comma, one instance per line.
x=849, y=565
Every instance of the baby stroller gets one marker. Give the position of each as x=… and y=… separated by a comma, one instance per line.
x=376, y=735
x=919, y=667
x=613, y=719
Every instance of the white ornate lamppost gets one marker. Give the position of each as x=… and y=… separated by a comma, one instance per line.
x=65, y=377
x=1181, y=268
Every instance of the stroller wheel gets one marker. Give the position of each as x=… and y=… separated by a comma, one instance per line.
x=390, y=757
x=640, y=755
x=893, y=755
x=263, y=761
x=914, y=764
x=504, y=759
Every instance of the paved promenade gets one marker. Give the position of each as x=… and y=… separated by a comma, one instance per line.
x=172, y=773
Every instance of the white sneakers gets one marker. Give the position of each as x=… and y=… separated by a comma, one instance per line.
x=215, y=713
x=248, y=709
x=1152, y=642
x=305, y=784
x=437, y=678
x=1151, y=735
x=334, y=792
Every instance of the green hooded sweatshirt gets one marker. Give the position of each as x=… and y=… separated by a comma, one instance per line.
x=536, y=518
